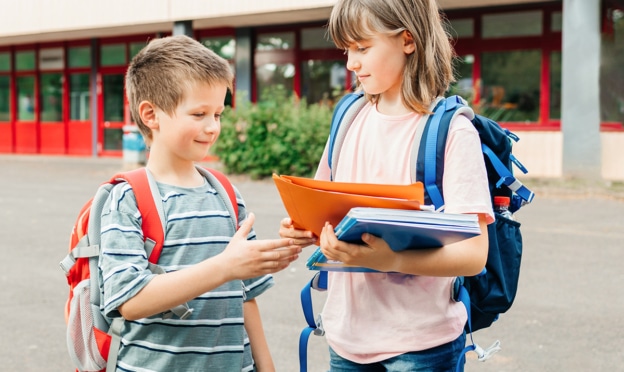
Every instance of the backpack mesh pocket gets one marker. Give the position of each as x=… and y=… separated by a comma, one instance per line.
x=81, y=341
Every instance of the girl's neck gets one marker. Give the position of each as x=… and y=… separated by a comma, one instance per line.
x=391, y=105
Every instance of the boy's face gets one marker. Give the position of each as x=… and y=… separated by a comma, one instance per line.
x=195, y=125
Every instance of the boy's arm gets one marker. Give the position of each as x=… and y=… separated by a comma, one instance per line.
x=255, y=331
x=242, y=259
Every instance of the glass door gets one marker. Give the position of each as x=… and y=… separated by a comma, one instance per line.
x=26, y=128
x=113, y=114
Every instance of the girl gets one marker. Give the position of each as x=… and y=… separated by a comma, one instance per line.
x=405, y=320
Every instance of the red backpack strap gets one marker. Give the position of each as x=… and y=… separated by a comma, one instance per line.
x=150, y=220
x=229, y=189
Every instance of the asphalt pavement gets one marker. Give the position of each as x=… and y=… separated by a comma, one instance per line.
x=568, y=314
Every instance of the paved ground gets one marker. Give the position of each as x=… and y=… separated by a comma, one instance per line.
x=567, y=316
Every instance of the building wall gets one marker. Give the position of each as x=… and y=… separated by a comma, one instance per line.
x=542, y=147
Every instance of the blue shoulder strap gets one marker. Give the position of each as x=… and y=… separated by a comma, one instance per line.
x=318, y=282
x=340, y=111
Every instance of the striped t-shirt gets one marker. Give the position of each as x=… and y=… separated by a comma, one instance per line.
x=198, y=226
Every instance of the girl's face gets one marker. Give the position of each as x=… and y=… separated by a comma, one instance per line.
x=378, y=62
x=195, y=125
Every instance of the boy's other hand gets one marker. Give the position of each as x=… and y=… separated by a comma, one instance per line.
x=246, y=259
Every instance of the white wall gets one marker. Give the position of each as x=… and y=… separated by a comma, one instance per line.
x=540, y=152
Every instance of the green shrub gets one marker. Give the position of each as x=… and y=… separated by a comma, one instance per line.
x=281, y=135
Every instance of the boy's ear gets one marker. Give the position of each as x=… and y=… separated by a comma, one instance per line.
x=147, y=112
x=408, y=42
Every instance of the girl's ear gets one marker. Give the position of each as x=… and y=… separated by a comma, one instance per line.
x=408, y=42
x=147, y=112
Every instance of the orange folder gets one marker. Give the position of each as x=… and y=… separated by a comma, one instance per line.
x=310, y=203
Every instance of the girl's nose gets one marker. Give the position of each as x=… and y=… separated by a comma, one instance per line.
x=353, y=63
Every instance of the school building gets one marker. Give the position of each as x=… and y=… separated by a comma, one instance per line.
x=550, y=71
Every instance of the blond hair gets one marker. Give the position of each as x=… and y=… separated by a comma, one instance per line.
x=165, y=68
x=429, y=71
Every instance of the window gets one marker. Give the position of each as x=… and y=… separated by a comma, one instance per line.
x=527, y=23
x=113, y=55
x=555, y=85
x=79, y=97
x=461, y=28
x=463, y=86
x=5, y=95
x=135, y=48
x=25, y=98
x=79, y=56
x=611, y=72
x=25, y=60
x=113, y=94
x=224, y=46
x=275, y=62
x=51, y=103
x=316, y=38
x=323, y=81
x=276, y=41
x=511, y=85
x=271, y=74
x=5, y=61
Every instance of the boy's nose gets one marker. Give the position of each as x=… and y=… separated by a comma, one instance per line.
x=211, y=125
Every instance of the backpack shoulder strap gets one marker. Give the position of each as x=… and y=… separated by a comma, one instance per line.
x=226, y=188
x=150, y=206
x=430, y=159
x=345, y=111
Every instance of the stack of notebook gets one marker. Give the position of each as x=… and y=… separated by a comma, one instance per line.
x=401, y=229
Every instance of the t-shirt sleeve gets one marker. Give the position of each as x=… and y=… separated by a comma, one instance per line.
x=123, y=262
x=465, y=181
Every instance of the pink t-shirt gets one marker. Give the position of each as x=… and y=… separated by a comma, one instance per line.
x=369, y=317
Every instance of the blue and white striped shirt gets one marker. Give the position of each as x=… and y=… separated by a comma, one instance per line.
x=198, y=226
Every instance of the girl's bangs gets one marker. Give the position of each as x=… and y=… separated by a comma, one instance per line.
x=348, y=26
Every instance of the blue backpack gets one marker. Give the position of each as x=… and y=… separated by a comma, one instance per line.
x=493, y=291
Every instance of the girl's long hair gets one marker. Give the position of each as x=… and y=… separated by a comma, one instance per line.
x=429, y=70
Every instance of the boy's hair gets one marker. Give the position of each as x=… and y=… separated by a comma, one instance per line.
x=162, y=71
x=429, y=70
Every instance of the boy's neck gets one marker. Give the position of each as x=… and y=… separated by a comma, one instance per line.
x=179, y=174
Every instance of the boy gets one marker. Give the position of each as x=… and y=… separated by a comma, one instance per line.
x=176, y=89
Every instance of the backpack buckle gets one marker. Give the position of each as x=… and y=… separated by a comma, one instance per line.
x=319, y=331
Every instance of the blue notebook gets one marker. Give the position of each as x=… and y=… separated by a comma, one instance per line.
x=401, y=229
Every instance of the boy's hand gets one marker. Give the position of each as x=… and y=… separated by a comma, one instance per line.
x=246, y=259
x=374, y=254
x=302, y=238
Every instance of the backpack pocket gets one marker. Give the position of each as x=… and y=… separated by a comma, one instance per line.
x=82, y=340
x=494, y=292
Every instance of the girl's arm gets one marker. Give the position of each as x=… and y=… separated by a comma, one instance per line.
x=259, y=346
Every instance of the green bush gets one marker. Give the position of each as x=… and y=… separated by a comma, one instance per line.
x=281, y=135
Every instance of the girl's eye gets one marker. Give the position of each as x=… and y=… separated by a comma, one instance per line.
x=199, y=115
x=217, y=117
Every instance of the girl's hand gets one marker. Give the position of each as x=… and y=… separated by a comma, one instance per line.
x=374, y=254
x=302, y=238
